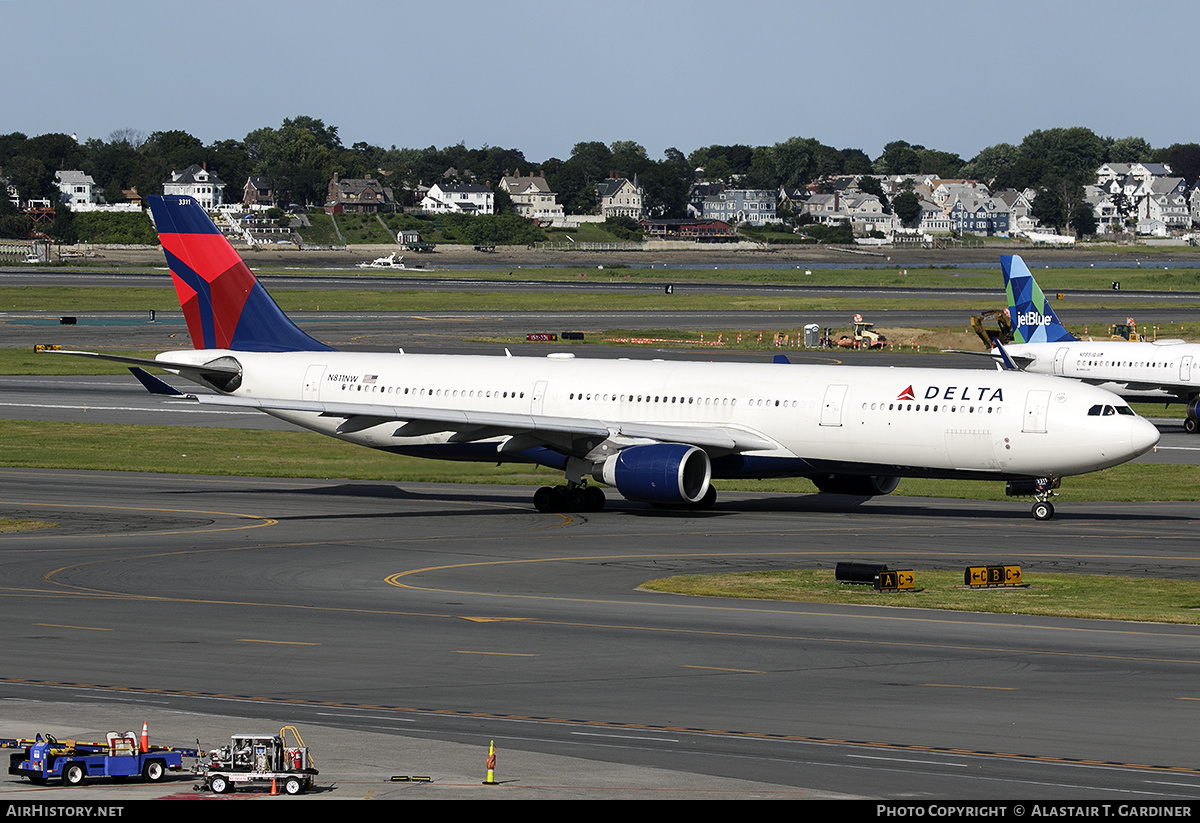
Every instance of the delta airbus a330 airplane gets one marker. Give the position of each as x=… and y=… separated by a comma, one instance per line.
x=659, y=432
x=1165, y=370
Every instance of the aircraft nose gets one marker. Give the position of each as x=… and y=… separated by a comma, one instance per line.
x=1143, y=435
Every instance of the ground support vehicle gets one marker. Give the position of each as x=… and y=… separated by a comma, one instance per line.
x=862, y=336
x=260, y=760
x=44, y=758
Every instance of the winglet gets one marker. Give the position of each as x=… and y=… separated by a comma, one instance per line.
x=1033, y=320
x=153, y=384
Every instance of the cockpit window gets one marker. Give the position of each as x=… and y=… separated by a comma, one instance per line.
x=1107, y=411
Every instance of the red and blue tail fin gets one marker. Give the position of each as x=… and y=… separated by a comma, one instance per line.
x=224, y=304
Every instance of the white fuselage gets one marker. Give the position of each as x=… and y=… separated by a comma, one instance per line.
x=1160, y=370
x=901, y=421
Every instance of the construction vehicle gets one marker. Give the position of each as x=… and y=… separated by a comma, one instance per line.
x=260, y=760
x=1003, y=331
x=862, y=335
x=1125, y=331
x=122, y=756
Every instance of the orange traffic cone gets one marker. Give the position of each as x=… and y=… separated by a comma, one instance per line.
x=274, y=788
x=145, y=737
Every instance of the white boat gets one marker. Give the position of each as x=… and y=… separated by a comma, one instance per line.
x=389, y=262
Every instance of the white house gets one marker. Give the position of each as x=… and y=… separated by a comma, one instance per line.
x=198, y=183
x=75, y=188
x=459, y=198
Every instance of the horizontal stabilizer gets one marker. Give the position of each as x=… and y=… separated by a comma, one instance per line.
x=153, y=384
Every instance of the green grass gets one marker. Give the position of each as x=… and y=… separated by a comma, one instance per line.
x=178, y=449
x=83, y=299
x=1055, y=595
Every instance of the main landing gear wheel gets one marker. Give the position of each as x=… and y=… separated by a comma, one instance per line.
x=1043, y=510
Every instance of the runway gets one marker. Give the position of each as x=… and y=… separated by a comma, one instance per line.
x=458, y=614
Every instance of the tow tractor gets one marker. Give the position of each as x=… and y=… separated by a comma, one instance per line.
x=260, y=760
x=44, y=758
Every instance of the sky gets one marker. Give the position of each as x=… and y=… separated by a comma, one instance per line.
x=541, y=76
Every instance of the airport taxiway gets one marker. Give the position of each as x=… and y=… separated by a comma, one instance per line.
x=458, y=614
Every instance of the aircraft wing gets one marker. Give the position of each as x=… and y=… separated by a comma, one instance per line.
x=532, y=429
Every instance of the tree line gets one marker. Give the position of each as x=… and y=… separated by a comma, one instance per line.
x=300, y=157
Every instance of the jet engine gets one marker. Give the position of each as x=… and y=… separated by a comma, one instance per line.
x=861, y=485
x=664, y=473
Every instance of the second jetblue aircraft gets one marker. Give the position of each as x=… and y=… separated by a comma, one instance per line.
x=658, y=432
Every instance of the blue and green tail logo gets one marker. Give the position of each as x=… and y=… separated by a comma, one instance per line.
x=1032, y=318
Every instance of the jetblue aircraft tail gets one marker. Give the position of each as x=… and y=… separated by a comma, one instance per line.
x=1032, y=318
x=224, y=305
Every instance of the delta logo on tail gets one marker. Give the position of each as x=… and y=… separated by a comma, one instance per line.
x=1033, y=319
x=225, y=307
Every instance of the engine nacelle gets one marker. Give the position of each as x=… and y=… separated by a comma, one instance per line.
x=861, y=485
x=661, y=473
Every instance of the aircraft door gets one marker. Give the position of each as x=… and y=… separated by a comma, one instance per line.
x=831, y=407
x=312, y=383
x=1185, y=369
x=1060, y=361
x=1037, y=403
x=539, y=395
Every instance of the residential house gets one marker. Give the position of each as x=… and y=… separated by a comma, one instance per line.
x=1138, y=172
x=459, y=198
x=198, y=183
x=1107, y=207
x=257, y=193
x=753, y=206
x=358, y=195
x=10, y=190
x=532, y=198
x=76, y=188
x=697, y=192
x=620, y=197
x=973, y=214
x=932, y=219
x=1019, y=205
x=1166, y=201
x=866, y=213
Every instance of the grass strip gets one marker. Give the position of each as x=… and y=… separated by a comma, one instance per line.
x=222, y=451
x=1050, y=595
x=9, y=525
